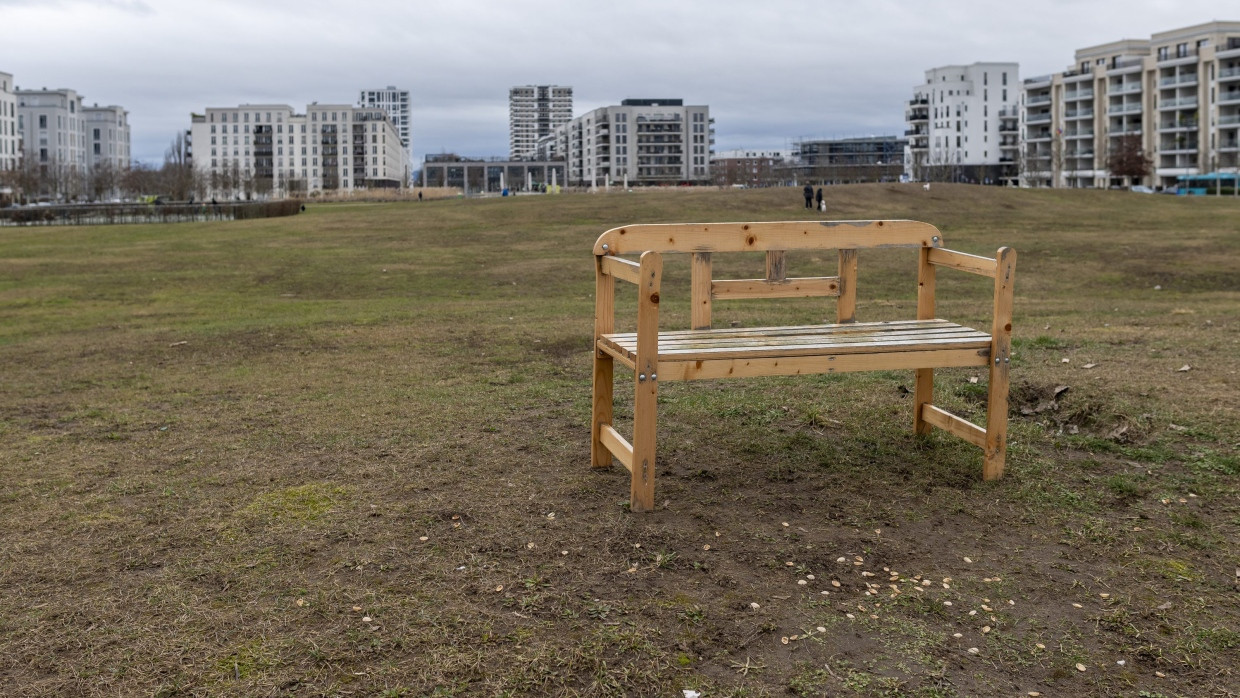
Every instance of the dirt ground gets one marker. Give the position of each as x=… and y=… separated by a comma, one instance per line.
x=319, y=456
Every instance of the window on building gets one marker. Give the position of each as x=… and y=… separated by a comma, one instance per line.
x=1005, y=78
x=42, y=120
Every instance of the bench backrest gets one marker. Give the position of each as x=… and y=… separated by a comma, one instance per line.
x=775, y=238
x=756, y=237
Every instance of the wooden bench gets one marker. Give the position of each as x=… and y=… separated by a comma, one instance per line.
x=922, y=344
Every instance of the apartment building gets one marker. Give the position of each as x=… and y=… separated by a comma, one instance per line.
x=638, y=142
x=851, y=160
x=106, y=131
x=261, y=150
x=395, y=102
x=962, y=123
x=53, y=132
x=10, y=143
x=1176, y=94
x=534, y=112
x=749, y=168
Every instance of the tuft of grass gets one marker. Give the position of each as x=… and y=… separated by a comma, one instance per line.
x=296, y=504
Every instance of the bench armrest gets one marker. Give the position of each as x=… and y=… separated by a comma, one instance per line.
x=647, y=275
x=974, y=264
x=624, y=269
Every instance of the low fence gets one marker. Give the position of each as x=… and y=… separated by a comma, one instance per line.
x=111, y=214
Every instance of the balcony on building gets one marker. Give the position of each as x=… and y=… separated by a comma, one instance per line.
x=1185, y=79
x=1229, y=97
x=1038, y=99
x=1180, y=102
x=1229, y=74
x=1182, y=123
x=1081, y=113
x=1176, y=58
x=1036, y=82
x=1128, y=108
x=1040, y=118
x=918, y=115
x=1125, y=66
x=1078, y=94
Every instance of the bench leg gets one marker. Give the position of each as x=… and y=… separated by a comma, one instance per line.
x=600, y=457
x=996, y=422
x=641, y=490
x=923, y=394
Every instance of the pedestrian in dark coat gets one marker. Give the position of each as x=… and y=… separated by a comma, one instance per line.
x=818, y=197
x=809, y=196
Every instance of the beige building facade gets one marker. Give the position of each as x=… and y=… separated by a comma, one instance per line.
x=265, y=150
x=1178, y=92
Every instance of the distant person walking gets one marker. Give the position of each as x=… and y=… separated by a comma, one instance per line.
x=809, y=196
x=818, y=197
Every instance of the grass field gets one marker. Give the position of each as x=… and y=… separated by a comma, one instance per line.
x=347, y=453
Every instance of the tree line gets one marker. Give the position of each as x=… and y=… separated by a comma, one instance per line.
x=175, y=179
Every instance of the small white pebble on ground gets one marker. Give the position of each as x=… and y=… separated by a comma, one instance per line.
x=1080, y=667
x=974, y=650
x=754, y=605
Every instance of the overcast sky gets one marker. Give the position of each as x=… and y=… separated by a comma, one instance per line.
x=772, y=71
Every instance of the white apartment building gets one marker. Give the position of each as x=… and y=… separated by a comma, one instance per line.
x=53, y=132
x=261, y=150
x=1178, y=92
x=639, y=142
x=107, y=137
x=395, y=102
x=534, y=112
x=10, y=143
x=962, y=123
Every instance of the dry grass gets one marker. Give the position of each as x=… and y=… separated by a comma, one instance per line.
x=346, y=453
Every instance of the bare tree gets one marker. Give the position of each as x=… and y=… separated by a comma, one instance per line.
x=102, y=181
x=140, y=180
x=177, y=175
x=1128, y=159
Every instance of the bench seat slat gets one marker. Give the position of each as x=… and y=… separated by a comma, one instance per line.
x=855, y=338
x=673, y=343
x=819, y=363
x=833, y=328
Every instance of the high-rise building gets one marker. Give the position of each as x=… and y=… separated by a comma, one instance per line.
x=269, y=150
x=395, y=102
x=641, y=141
x=534, y=112
x=10, y=143
x=961, y=123
x=1175, y=96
